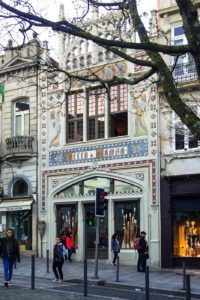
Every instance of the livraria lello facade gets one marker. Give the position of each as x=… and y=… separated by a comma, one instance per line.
x=96, y=136
x=122, y=138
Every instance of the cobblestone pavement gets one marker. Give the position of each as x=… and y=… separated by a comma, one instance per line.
x=169, y=281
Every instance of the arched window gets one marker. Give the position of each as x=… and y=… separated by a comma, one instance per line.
x=68, y=65
x=89, y=46
x=82, y=47
x=89, y=60
x=82, y=61
x=75, y=63
x=75, y=51
x=20, y=188
x=108, y=55
x=21, y=118
x=88, y=187
x=100, y=56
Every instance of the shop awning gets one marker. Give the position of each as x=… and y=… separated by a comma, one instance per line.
x=17, y=204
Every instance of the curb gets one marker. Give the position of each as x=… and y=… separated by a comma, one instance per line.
x=133, y=287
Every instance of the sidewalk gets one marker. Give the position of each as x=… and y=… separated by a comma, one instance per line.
x=167, y=280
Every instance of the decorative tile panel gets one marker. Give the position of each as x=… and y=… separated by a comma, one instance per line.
x=101, y=153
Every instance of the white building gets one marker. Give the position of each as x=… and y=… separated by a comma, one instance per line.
x=18, y=140
x=180, y=163
x=89, y=141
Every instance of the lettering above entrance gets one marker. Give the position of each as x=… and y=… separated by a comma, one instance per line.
x=103, y=152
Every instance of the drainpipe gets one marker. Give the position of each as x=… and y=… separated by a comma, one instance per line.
x=37, y=191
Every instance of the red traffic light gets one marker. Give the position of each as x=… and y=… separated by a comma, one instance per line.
x=103, y=195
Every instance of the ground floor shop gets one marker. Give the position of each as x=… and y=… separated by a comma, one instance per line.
x=126, y=224
x=180, y=215
x=70, y=204
x=18, y=215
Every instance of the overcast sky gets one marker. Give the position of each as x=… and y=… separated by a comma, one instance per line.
x=50, y=10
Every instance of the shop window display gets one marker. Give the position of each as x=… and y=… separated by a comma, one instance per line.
x=67, y=217
x=186, y=228
x=127, y=223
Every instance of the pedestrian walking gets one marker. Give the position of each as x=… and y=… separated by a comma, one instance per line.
x=63, y=236
x=70, y=246
x=9, y=251
x=142, y=252
x=59, y=253
x=115, y=247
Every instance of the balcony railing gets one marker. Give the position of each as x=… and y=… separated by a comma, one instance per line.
x=185, y=76
x=19, y=148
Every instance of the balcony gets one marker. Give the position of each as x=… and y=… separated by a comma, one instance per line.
x=185, y=76
x=20, y=148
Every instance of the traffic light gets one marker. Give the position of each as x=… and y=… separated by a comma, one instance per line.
x=101, y=203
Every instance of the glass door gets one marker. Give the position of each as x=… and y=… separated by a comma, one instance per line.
x=90, y=230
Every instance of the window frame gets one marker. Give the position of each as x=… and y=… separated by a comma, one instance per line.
x=187, y=65
x=186, y=132
x=74, y=120
x=96, y=116
x=22, y=114
x=118, y=108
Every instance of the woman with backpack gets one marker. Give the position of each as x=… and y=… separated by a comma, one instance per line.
x=115, y=247
x=9, y=251
x=59, y=253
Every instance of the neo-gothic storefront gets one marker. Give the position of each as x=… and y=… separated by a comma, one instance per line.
x=126, y=213
x=124, y=201
x=70, y=204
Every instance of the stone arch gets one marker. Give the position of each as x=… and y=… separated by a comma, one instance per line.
x=76, y=179
x=14, y=180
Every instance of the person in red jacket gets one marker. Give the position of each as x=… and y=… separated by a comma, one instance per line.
x=70, y=246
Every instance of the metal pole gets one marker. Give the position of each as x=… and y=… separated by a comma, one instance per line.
x=85, y=277
x=32, y=272
x=188, y=293
x=147, y=283
x=97, y=248
x=47, y=261
x=117, y=270
x=184, y=274
x=15, y=264
x=41, y=245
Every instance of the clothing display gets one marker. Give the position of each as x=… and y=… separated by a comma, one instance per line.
x=187, y=237
x=130, y=229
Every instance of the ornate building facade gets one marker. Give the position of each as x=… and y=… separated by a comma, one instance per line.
x=95, y=136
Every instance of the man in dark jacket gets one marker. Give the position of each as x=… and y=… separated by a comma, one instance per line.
x=142, y=253
x=9, y=251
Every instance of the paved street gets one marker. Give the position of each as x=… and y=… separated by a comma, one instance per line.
x=46, y=290
x=164, y=284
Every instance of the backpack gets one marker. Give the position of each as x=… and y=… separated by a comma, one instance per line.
x=137, y=243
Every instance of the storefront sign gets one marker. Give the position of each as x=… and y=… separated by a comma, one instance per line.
x=15, y=205
x=14, y=208
x=103, y=152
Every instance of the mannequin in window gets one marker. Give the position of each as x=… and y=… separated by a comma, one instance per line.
x=187, y=233
x=193, y=234
x=124, y=243
x=132, y=232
